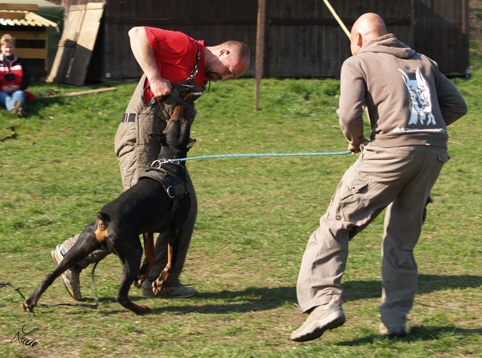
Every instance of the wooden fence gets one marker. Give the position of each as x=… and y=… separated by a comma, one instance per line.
x=302, y=38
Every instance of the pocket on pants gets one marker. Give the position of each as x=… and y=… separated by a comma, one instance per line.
x=350, y=196
x=444, y=157
x=357, y=186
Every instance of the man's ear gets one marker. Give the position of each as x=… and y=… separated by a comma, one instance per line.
x=223, y=51
x=359, y=39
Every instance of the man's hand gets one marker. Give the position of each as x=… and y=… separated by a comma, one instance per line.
x=356, y=148
x=160, y=87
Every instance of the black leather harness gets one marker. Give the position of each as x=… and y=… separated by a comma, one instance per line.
x=172, y=177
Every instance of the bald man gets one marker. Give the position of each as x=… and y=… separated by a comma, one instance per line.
x=410, y=103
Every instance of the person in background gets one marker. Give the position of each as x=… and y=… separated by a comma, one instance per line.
x=410, y=103
x=176, y=70
x=14, y=78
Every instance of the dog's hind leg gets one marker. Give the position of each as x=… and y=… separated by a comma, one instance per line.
x=150, y=255
x=86, y=244
x=130, y=254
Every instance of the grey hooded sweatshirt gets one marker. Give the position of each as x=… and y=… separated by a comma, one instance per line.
x=408, y=100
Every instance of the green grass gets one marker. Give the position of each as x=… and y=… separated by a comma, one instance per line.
x=255, y=217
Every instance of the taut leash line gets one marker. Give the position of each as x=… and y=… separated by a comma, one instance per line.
x=245, y=155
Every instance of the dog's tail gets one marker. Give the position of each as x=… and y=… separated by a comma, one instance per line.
x=102, y=231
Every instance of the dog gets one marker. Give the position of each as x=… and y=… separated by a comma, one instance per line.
x=158, y=202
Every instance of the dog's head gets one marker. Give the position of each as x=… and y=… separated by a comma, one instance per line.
x=176, y=137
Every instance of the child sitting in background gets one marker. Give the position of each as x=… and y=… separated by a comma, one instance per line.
x=14, y=78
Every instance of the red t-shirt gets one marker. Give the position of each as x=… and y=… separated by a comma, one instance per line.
x=175, y=54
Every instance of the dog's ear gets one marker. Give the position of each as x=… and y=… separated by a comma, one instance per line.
x=191, y=143
x=162, y=139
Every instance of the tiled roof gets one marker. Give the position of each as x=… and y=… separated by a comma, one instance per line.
x=23, y=18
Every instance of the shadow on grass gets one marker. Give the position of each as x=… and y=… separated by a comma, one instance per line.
x=357, y=290
x=415, y=334
x=251, y=299
x=263, y=298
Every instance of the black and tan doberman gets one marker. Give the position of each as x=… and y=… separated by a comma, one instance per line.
x=158, y=202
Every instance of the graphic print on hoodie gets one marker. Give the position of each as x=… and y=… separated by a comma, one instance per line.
x=421, y=106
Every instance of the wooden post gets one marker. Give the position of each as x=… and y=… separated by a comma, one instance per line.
x=259, y=49
x=337, y=18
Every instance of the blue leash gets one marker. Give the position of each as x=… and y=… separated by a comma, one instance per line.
x=217, y=156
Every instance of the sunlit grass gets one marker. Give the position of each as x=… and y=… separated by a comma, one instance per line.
x=255, y=217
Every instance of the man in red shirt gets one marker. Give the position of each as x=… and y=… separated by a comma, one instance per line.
x=176, y=68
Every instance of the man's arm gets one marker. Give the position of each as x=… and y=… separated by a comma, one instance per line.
x=144, y=55
x=350, y=110
x=452, y=105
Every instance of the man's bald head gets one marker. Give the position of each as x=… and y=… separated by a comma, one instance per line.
x=367, y=27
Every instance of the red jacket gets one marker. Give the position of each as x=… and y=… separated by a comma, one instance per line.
x=13, y=73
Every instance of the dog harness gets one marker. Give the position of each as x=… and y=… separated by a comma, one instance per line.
x=189, y=89
x=171, y=176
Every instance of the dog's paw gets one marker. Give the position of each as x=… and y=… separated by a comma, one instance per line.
x=138, y=283
x=27, y=307
x=161, y=281
x=157, y=286
x=143, y=310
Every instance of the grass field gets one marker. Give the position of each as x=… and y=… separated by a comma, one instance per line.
x=255, y=216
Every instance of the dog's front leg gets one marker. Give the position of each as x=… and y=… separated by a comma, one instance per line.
x=172, y=249
x=149, y=259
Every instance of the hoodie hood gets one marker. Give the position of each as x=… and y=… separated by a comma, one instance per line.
x=388, y=44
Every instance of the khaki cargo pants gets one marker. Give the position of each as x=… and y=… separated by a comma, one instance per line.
x=398, y=179
x=137, y=145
